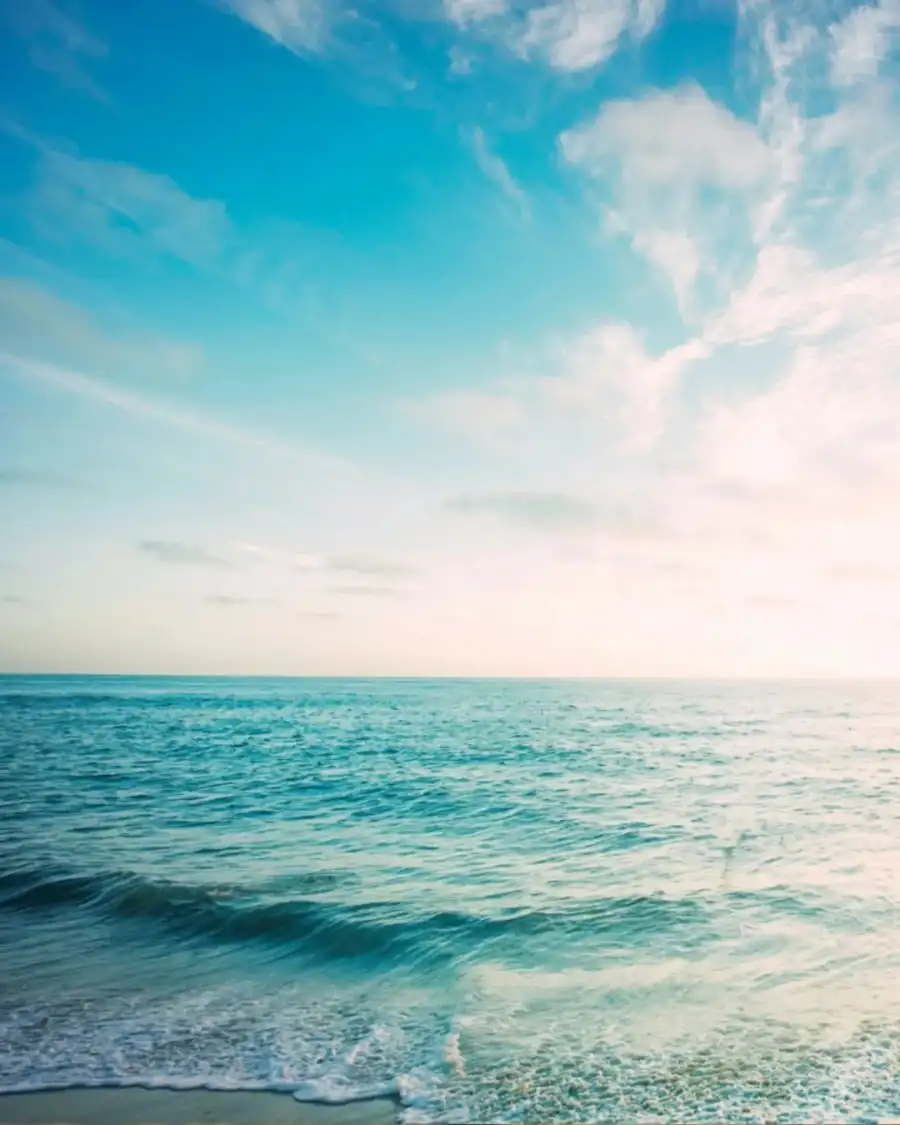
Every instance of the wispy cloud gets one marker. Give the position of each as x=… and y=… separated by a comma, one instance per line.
x=300, y=25
x=371, y=566
x=569, y=36
x=237, y=601
x=496, y=170
x=682, y=169
x=488, y=416
x=38, y=324
x=154, y=410
x=182, y=554
x=605, y=374
x=294, y=560
x=56, y=42
x=543, y=511
x=861, y=40
x=576, y=35
x=121, y=209
x=865, y=573
x=473, y=11
x=362, y=590
x=35, y=478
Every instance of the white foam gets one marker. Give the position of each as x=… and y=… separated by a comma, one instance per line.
x=334, y=1090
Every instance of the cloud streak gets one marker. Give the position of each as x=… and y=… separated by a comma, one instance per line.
x=139, y=406
x=35, y=478
x=496, y=170
x=37, y=323
x=232, y=600
x=300, y=25
x=125, y=210
x=370, y=566
x=542, y=511
x=56, y=43
x=361, y=590
x=175, y=553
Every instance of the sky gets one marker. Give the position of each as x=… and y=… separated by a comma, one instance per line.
x=450, y=337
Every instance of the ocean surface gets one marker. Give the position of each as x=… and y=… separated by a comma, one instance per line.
x=499, y=901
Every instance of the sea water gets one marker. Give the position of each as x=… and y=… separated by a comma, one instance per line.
x=497, y=901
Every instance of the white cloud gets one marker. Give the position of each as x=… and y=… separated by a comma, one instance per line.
x=125, y=210
x=667, y=138
x=603, y=376
x=608, y=371
x=299, y=25
x=473, y=11
x=861, y=40
x=569, y=36
x=780, y=472
x=295, y=560
x=576, y=35
x=660, y=156
x=496, y=170
x=461, y=61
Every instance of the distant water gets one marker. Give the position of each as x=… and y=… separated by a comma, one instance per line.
x=501, y=901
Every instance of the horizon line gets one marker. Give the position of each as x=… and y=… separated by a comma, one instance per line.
x=350, y=676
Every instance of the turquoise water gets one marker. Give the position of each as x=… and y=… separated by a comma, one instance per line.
x=500, y=901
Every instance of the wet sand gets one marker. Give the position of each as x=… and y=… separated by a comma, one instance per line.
x=137, y=1106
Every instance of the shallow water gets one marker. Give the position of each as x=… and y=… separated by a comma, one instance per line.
x=505, y=901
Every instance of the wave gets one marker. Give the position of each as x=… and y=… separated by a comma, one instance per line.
x=337, y=930
x=323, y=1091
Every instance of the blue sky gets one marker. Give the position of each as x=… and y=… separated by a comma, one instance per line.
x=469, y=337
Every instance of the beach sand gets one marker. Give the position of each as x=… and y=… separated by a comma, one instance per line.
x=137, y=1106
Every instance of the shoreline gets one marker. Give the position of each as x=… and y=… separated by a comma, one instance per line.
x=141, y=1105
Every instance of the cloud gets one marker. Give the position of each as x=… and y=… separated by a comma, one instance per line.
x=496, y=170
x=56, y=42
x=542, y=511
x=296, y=560
x=155, y=410
x=473, y=11
x=233, y=600
x=576, y=35
x=182, y=554
x=608, y=370
x=38, y=324
x=864, y=573
x=34, y=478
x=771, y=602
x=354, y=590
x=124, y=210
x=861, y=40
x=604, y=376
x=569, y=36
x=484, y=415
x=300, y=25
x=355, y=36
x=671, y=137
x=684, y=178
x=371, y=566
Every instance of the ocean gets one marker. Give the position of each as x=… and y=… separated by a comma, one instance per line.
x=501, y=901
